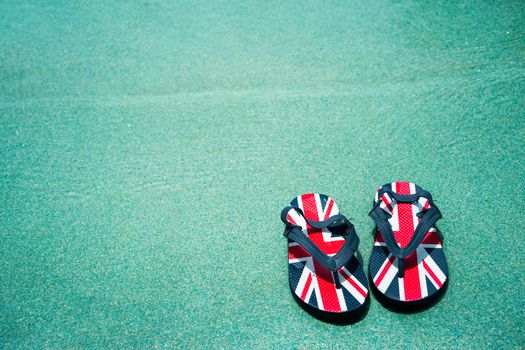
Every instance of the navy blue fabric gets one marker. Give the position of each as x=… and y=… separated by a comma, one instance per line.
x=333, y=263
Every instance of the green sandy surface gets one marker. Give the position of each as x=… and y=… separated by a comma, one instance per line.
x=147, y=149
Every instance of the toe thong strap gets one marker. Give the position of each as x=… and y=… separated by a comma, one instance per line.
x=333, y=263
x=427, y=221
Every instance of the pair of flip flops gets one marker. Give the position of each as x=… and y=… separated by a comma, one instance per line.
x=407, y=265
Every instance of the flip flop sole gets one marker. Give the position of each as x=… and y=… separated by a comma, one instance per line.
x=425, y=271
x=314, y=285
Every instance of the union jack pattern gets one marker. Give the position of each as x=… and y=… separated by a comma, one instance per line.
x=311, y=282
x=425, y=270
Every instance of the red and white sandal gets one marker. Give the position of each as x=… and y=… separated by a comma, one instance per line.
x=325, y=276
x=407, y=264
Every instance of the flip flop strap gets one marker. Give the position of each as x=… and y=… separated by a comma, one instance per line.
x=427, y=221
x=406, y=198
x=333, y=263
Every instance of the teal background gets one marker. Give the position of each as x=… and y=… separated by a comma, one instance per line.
x=147, y=148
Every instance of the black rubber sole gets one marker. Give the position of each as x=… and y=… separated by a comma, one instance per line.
x=339, y=318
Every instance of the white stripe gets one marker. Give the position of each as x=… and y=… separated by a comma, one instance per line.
x=421, y=254
x=394, y=220
x=325, y=211
x=327, y=235
x=389, y=276
x=412, y=187
x=340, y=294
x=427, y=245
x=421, y=202
x=298, y=260
x=431, y=280
x=352, y=290
x=349, y=287
x=319, y=299
x=298, y=219
x=386, y=201
x=310, y=290
x=320, y=213
x=307, y=271
x=422, y=269
x=415, y=218
x=382, y=267
x=355, y=279
x=384, y=207
x=300, y=202
x=435, y=268
x=401, y=283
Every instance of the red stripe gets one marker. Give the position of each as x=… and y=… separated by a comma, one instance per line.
x=297, y=252
x=387, y=202
x=431, y=238
x=310, y=207
x=403, y=236
x=384, y=271
x=324, y=276
x=311, y=213
x=306, y=286
x=327, y=287
x=431, y=273
x=411, y=278
x=352, y=282
x=405, y=217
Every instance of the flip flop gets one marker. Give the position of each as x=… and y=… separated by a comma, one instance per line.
x=407, y=264
x=325, y=276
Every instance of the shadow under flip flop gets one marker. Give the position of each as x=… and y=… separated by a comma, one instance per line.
x=343, y=318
